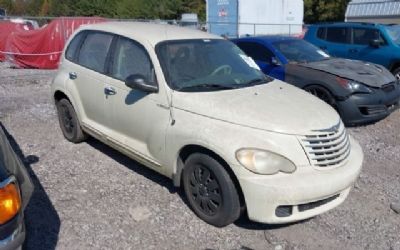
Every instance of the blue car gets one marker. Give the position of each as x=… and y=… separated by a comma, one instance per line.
x=361, y=92
x=377, y=43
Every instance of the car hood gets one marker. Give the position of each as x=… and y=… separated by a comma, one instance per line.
x=275, y=106
x=369, y=74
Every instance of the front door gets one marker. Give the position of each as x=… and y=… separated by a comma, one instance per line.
x=138, y=120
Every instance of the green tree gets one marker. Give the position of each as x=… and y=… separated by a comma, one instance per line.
x=324, y=10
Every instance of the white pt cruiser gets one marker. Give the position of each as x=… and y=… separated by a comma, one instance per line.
x=195, y=108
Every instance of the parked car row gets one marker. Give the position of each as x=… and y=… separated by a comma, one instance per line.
x=195, y=108
x=360, y=91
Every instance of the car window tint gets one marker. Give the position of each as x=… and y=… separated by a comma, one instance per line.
x=337, y=34
x=130, y=58
x=256, y=51
x=363, y=36
x=73, y=46
x=94, y=51
x=321, y=33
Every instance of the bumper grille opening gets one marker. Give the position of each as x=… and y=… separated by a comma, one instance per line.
x=315, y=204
x=327, y=148
x=373, y=110
x=284, y=211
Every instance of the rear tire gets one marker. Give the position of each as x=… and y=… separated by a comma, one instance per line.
x=69, y=122
x=210, y=190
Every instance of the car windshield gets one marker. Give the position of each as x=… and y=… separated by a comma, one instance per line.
x=207, y=65
x=394, y=33
x=300, y=51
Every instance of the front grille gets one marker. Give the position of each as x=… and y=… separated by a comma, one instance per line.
x=388, y=87
x=373, y=110
x=327, y=148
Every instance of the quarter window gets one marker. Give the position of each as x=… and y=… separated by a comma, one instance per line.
x=256, y=51
x=131, y=58
x=73, y=47
x=337, y=35
x=93, y=53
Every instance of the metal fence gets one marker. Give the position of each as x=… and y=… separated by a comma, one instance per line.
x=226, y=29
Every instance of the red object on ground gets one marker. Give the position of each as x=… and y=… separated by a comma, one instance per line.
x=42, y=48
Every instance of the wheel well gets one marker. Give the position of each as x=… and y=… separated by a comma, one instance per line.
x=394, y=66
x=191, y=149
x=60, y=95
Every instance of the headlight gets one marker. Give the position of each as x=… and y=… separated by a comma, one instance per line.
x=10, y=200
x=353, y=86
x=264, y=162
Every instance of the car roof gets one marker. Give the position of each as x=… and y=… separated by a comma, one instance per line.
x=152, y=32
x=349, y=24
x=267, y=38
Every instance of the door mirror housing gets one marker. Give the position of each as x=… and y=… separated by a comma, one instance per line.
x=375, y=43
x=139, y=82
x=275, y=61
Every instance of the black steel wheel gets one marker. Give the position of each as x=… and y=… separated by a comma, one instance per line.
x=69, y=123
x=210, y=191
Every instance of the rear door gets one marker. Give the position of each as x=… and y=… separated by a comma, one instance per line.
x=263, y=57
x=86, y=78
x=361, y=49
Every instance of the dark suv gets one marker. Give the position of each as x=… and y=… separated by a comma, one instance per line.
x=377, y=43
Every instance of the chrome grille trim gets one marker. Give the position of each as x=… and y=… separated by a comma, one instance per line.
x=327, y=148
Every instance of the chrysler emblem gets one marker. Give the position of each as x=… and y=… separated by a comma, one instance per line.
x=333, y=129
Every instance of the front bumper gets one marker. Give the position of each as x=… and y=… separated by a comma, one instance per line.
x=314, y=190
x=367, y=108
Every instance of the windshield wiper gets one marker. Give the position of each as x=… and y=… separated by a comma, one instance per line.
x=257, y=81
x=206, y=86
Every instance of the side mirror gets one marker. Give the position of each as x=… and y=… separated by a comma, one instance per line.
x=138, y=82
x=375, y=43
x=275, y=61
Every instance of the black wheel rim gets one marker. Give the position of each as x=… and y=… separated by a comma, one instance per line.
x=67, y=120
x=205, y=190
x=322, y=94
x=397, y=75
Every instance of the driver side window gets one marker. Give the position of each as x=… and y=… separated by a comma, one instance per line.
x=257, y=51
x=131, y=58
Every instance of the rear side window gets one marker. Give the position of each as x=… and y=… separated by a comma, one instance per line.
x=73, y=47
x=337, y=34
x=321, y=33
x=362, y=36
x=94, y=50
x=131, y=58
x=256, y=51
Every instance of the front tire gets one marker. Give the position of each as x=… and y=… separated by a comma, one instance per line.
x=323, y=94
x=210, y=190
x=69, y=122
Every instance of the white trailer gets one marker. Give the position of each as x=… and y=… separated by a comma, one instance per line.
x=255, y=17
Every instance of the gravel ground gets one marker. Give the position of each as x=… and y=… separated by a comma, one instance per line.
x=89, y=196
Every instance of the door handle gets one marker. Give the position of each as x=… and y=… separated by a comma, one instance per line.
x=109, y=91
x=73, y=75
